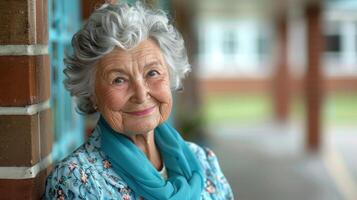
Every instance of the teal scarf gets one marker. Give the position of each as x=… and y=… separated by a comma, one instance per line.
x=185, y=177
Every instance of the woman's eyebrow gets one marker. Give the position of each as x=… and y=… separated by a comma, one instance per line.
x=152, y=63
x=114, y=70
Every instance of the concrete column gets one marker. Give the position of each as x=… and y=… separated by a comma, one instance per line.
x=281, y=81
x=187, y=106
x=313, y=79
x=25, y=114
x=88, y=6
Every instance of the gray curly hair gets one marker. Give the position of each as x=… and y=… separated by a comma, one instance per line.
x=123, y=26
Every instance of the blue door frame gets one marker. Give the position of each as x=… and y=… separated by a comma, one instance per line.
x=64, y=19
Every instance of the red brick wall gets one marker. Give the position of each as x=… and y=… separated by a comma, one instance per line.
x=25, y=114
x=256, y=85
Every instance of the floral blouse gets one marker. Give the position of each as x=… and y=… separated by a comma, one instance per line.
x=87, y=174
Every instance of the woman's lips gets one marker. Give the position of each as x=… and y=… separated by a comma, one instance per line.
x=142, y=112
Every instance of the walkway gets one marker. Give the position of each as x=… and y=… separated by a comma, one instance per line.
x=268, y=162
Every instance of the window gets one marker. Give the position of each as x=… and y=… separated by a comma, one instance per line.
x=262, y=45
x=230, y=42
x=333, y=43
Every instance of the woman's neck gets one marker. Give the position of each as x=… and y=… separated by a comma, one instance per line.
x=146, y=143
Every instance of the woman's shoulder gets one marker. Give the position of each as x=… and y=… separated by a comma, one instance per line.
x=216, y=185
x=203, y=153
x=86, y=156
x=85, y=173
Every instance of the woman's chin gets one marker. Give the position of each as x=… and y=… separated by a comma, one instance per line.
x=140, y=127
x=134, y=125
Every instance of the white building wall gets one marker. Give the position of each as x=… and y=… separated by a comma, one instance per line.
x=212, y=57
x=247, y=61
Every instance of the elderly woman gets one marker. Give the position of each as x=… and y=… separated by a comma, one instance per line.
x=126, y=61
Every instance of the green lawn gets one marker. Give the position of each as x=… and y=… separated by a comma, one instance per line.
x=338, y=109
x=237, y=108
x=341, y=109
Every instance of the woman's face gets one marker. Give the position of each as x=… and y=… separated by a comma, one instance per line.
x=132, y=89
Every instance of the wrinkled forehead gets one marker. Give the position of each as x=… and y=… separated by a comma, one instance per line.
x=146, y=51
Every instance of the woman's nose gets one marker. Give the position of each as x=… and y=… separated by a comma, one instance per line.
x=140, y=91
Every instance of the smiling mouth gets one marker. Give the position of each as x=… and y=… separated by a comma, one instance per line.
x=142, y=112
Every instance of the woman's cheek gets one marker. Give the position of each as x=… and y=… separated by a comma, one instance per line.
x=166, y=102
x=165, y=111
x=162, y=84
x=116, y=101
x=113, y=99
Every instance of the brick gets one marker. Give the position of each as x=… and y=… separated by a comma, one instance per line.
x=46, y=132
x=14, y=28
x=30, y=132
x=23, y=22
x=41, y=22
x=16, y=131
x=24, y=80
x=24, y=188
x=43, y=78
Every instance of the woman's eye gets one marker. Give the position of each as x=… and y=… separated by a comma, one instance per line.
x=118, y=81
x=153, y=73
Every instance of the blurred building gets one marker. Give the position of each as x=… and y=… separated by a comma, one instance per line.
x=340, y=31
x=238, y=40
x=287, y=50
x=234, y=39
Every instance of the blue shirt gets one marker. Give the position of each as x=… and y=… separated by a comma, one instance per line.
x=87, y=174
